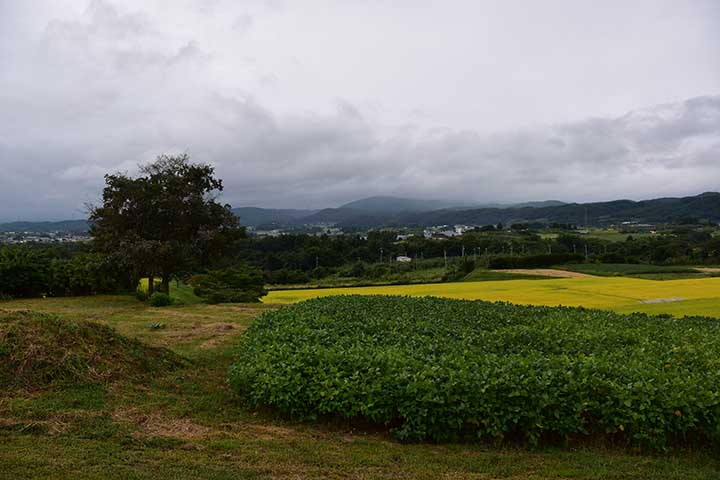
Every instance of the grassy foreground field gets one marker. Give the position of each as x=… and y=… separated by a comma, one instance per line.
x=186, y=423
x=625, y=295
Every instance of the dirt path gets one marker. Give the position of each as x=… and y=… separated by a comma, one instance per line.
x=546, y=272
x=708, y=269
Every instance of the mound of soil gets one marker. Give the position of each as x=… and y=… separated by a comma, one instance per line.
x=39, y=351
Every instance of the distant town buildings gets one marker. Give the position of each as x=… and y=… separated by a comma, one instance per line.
x=446, y=231
x=17, y=238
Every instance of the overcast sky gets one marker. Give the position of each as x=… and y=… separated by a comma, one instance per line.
x=315, y=103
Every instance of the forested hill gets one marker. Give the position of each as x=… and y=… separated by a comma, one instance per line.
x=256, y=216
x=661, y=210
x=705, y=206
x=70, y=226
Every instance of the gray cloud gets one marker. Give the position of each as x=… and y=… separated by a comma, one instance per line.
x=105, y=87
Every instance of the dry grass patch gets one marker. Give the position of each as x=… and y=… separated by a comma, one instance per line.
x=545, y=272
x=158, y=425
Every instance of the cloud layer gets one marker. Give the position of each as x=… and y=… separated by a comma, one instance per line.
x=100, y=88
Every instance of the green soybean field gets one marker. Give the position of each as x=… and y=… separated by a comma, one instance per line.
x=446, y=370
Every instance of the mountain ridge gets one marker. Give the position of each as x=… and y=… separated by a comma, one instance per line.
x=658, y=210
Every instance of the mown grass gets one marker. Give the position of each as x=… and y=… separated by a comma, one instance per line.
x=186, y=423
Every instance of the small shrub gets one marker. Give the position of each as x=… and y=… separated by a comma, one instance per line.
x=231, y=285
x=195, y=280
x=159, y=299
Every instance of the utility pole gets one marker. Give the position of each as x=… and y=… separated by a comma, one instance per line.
x=445, y=257
x=586, y=251
x=381, y=255
x=574, y=249
x=463, y=251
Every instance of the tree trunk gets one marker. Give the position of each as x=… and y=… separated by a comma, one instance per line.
x=151, y=285
x=166, y=283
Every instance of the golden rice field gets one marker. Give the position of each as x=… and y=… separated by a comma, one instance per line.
x=699, y=296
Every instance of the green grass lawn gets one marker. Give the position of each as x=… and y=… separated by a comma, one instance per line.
x=412, y=277
x=186, y=423
x=613, y=235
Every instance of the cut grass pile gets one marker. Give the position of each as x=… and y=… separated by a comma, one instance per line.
x=441, y=369
x=39, y=351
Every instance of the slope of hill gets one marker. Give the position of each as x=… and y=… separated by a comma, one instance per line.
x=398, y=204
x=393, y=212
x=662, y=210
x=254, y=216
x=71, y=226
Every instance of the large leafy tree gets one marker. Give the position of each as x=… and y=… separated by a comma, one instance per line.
x=165, y=221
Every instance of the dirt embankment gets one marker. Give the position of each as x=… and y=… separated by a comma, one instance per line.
x=708, y=269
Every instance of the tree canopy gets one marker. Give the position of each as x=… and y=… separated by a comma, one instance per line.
x=165, y=221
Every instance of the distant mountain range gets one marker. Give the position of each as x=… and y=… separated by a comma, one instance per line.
x=69, y=226
x=394, y=212
x=371, y=211
x=376, y=212
x=398, y=204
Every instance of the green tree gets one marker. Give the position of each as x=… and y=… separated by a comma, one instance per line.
x=165, y=221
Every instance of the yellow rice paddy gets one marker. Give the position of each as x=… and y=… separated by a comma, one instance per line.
x=699, y=296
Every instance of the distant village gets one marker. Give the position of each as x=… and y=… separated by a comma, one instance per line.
x=42, y=237
x=438, y=232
